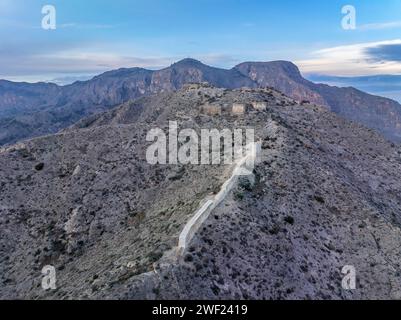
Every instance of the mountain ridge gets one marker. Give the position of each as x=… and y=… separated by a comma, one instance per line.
x=326, y=194
x=29, y=110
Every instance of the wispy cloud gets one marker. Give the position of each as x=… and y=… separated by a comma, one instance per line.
x=70, y=79
x=76, y=58
x=385, y=52
x=50, y=59
x=380, y=26
x=219, y=60
x=85, y=26
x=357, y=59
x=75, y=61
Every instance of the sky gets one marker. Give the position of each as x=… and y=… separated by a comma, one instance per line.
x=95, y=36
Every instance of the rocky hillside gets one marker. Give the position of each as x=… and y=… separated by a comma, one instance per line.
x=327, y=194
x=19, y=98
x=381, y=114
x=29, y=110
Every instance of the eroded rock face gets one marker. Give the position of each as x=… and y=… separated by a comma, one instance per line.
x=326, y=194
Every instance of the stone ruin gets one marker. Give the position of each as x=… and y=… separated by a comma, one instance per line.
x=238, y=108
x=242, y=108
x=234, y=109
x=211, y=109
x=259, y=105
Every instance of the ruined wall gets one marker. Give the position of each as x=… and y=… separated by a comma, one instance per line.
x=211, y=110
x=259, y=106
x=243, y=167
x=238, y=108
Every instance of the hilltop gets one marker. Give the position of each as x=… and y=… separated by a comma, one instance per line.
x=326, y=194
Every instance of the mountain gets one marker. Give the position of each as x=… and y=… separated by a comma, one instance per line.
x=282, y=75
x=383, y=85
x=325, y=194
x=381, y=114
x=18, y=98
x=68, y=104
x=30, y=110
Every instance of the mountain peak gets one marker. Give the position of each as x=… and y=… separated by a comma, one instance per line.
x=285, y=66
x=118, y=86
x=188, y=62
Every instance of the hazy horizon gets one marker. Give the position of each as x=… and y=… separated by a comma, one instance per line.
x=371, y=84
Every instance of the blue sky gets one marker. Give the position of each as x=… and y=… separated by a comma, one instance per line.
x=95, y=36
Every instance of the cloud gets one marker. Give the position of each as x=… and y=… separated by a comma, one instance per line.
x=46, y=60
x=73, y=62
x=217, y=59
x=71, y=79
x=85, y=26
x=357, y=59
x=385, y=52
x=380, y=26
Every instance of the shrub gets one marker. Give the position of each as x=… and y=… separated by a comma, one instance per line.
x=245, y=184
x=39, y=166
x=289, y=220
x=238, y=196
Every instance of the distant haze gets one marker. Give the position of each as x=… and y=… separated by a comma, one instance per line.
x=388, y=86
